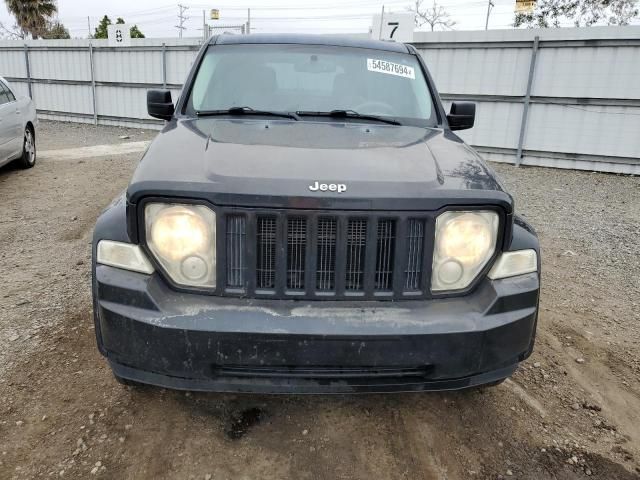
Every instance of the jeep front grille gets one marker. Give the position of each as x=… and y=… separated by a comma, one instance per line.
x=302, y=254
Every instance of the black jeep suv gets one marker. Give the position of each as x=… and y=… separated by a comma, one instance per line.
x=308, y=222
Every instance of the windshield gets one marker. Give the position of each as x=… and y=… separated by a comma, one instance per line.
x=313, y=78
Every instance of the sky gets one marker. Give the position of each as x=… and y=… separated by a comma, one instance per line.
x=158, y=19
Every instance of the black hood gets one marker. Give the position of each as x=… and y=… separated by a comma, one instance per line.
x=272, y=163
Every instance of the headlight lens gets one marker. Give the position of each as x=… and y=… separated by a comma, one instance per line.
x=464, y=243
x=183, y=240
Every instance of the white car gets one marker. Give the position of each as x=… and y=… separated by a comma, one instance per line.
x=17, y=128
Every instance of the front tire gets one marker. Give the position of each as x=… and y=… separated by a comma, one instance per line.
x=28, y=158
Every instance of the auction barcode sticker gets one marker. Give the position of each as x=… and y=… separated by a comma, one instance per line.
x=390, y=68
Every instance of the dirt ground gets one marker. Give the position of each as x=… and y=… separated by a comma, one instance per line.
x=572, y=411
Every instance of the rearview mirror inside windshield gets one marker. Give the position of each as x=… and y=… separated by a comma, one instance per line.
x=315, y=65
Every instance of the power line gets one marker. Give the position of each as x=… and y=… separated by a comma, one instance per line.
x=181, y=19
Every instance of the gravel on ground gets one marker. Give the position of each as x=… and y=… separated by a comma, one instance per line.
x=572, y=411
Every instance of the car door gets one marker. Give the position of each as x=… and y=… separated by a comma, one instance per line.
x=6, y=132
x=12, y=121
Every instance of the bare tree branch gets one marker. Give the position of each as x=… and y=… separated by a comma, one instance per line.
x=14, y=33
x=434, y=16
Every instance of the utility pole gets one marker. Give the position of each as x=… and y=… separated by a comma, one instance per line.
x=89, y=25
x=205, y=33
x=381, y=20
x=489, y=5
x=248, y=20
x=181, y=19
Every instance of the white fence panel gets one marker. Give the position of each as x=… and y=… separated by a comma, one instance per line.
x=178, y=65
x=600, y=72
x=60, y=64
x=494, y=71
x=488, y=114
x=583, y=106
x=138, y=66
x=12, y=63
x=63, y=98
x=592, y=130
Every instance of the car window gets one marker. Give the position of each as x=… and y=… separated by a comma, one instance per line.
x=10, y=94
x=4, y=94
x=313, y=78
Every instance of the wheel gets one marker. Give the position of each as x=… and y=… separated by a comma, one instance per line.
x=28, y=158
x=127, y=382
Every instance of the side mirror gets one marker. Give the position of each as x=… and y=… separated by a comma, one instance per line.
x=462, y=115
x=159, y=104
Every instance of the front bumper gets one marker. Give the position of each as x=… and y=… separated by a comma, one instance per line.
x=152, y=334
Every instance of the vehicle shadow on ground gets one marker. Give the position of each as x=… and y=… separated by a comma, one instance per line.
x=9, y=169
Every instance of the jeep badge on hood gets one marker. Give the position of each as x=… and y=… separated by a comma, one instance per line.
x=330, y=187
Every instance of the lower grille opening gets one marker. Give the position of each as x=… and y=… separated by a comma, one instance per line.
x=322, y=372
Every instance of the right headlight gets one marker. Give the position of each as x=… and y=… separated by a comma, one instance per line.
x=183, y=240
x=465, y=241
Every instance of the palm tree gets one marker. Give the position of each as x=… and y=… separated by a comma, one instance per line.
x=32, y=15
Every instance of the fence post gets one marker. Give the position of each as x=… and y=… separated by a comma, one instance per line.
x=164, y=65
x=527, y=100
x=26, y=62
x=93, y=85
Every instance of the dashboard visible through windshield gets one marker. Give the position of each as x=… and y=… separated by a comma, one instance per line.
x=312, y=80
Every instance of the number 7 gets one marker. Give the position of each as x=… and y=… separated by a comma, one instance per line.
x=395, y=27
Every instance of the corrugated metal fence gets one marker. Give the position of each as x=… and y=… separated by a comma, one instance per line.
x=566, y=98
x=88, y=81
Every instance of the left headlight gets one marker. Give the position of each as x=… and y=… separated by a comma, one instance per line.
x=183, y=240
x=464, y=243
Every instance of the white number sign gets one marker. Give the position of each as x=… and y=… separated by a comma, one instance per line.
x=119, y=35
x=395, y=26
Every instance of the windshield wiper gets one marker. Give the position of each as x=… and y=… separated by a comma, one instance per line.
x=349, y=114
x=246, y=111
